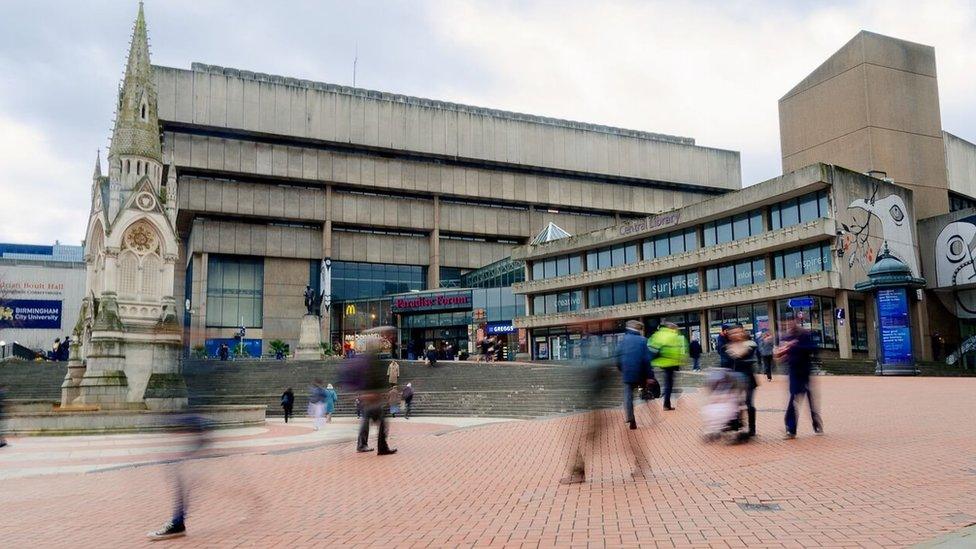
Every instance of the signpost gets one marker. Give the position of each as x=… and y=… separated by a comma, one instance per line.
x=800, y=302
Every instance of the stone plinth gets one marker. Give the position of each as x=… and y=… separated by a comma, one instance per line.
x=70, y=388
x=77, y=422
x=310, y=340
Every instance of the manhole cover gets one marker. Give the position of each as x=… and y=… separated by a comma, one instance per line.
x=760, y=507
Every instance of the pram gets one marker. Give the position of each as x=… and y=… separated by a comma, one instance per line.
x=722, y=411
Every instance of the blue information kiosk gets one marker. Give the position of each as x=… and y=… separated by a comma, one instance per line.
x=891, y=280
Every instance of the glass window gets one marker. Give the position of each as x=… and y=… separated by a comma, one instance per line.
x=723, y=231
x=726, y=276
x=650, y=289
x=774, y=218
x=755, y=222
x=606, y=295
x=691, y=240
x=538, y=305
x=593, y=297
x=677, y=242
x=778, y=271
x=743, y=273
x=630, y=253
x=235, y=291
x=575, y=264
x=679, y=284
x=550, y=268
x=551, y=303
x=592, y=261
x=562, y=302
x=758, y=271
x=711, y=279
x=822, y=204
x=825, y=256
x=562, y=266
x=808, y=208
x=661, y=246
x=605, y=258
x=663, y=287
x=619, y=293
x=812, y=260
x=789, y=213
x=709, y=234
x=792, y=264
x=693, y=287
x=740, y=226
x=632, y=291
x=647, y=249
x=575, y=300
x=617, y=255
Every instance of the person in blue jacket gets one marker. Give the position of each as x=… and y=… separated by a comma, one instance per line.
x=634, y=362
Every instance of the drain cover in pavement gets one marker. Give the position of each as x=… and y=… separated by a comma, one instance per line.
x=759, y=506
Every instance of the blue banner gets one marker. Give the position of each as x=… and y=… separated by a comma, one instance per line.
x=39, y=314
x=496, y=328
x=894, y=328
x=253, y=346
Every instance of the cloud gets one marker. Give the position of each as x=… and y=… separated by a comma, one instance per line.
x=709, y=70
x=34, y=209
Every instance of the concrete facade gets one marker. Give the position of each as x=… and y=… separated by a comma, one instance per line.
x=856, y=216
x=873, y=105
x=297, y=171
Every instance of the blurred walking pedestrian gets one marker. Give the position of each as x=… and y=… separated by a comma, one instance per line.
x=431, y=356
x=407, y=400
x=197, y=428
x=316, y=403
x=368, y=376
x=695, y=352
x=288, y=402
x=765, y=349
x=670, y=352
x=3, y=397
x=633, y=361
x=741, y=351
x=329, y=399
x=797, y=352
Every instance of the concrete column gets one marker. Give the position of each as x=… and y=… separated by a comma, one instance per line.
x=773, y=324
x=703, y=326
x=198, y=300
x=434, y=265
x=922, y=338
x=844, y=332
x=325, y=321
x=871, y=318
x=109, y=279
x=531, y=223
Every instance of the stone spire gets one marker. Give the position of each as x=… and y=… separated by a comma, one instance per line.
x=98, y=166
x=136, y=130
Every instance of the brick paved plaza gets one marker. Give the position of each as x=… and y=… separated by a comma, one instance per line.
x=896, y=467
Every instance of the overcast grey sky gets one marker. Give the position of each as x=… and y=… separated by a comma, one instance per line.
x=709, y=70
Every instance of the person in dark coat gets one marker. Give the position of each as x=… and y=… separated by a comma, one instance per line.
x=408, y=400
x=432, y=356
x=695, y=352
x=287, y=402
x=741, y=352
x=367, y=374
x=723, y=338
x=634, y=362
x=797, y=352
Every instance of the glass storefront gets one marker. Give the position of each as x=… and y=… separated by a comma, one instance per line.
x=352, y=280
x=754, y=317
x=858, y=318
x=818, y=318
x=688, y=323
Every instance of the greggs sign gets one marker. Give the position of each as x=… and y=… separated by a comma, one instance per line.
x=649, y=224
x=431, y=302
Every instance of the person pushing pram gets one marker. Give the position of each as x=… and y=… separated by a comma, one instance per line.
x=724, y=404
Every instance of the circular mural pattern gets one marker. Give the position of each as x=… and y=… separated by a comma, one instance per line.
x=141, y=238
x=145, y=201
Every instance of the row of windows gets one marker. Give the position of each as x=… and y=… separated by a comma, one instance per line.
x=793, y=263
x=783, y=214
x=558, y=303
x=731, y=275
x=678, y=284
x=798, y=210
x=732, y=228
x=615, y=256
x=612, y=294
x=557, y=266
x=675, y=242
x=355, y=280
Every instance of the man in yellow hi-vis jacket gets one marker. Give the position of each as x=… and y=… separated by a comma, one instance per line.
x=670, y=351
